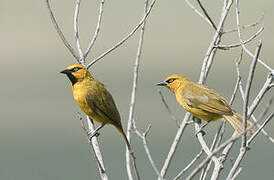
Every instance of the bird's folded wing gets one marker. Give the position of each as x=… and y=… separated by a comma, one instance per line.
x=103, y=104
x=201, y=97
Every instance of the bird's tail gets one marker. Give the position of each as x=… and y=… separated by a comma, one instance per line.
x=120, y=129
x=236, y=121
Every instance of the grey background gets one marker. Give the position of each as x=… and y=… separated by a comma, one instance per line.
x=41, y=138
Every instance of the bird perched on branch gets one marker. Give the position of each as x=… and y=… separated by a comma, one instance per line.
x=94, y=99
x=203, y=102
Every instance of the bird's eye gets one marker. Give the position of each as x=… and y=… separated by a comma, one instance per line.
x=75, y=69
x=170, y=80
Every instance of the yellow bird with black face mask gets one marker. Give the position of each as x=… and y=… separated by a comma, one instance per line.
x=203, y=102
x=94, y=99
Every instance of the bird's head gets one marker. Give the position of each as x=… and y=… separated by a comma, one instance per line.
x=76, y=73
x=173, y=82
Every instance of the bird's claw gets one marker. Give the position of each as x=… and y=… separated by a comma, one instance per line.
x=91, y=134
x=200, y=131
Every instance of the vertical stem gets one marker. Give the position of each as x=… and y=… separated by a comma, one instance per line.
x=76, y=30
x=97, y=152
x=133, y=94
x=247, y=90
x=174, y=146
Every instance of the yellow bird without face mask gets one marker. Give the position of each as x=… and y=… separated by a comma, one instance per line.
x=203, y=102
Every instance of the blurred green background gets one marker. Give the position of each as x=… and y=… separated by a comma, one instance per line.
x=40, y=135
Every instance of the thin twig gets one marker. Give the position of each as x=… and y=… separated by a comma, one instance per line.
x=261, y=92
x=206, y=14
x=133, y=94
x=216, y=39
x=227, y=47
x=173, y=146
x=95, y=147
x=60, y=33
x=97, y=29
x=258, y=98
x=261, y=127
x=180, y=174
x=246, y=26
x=125, y=38
x=243, y=150
x=271, y=139
x=198, y=12
x=143, y=136
x=237, y=162
x=242, y=42
x=212, y=147
x=76, y=30
x=208, y=158
x=247, y=90
x=237, y=173
x=168, y=109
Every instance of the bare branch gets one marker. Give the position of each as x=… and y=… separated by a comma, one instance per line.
x=236, y=164
x=215, y=41
x=76, y=30
x=125, y=38
x=206, y=169
x=143, y=137
x=97, y=152
x=174, y=146
x=94, y=145
x=167, y=107
x=60, y=33
x=133, y=93
x=237, y=173
x=223, y=145
x=97, y=29
x=206, y=14
x=242, y=42
x=227, y=47
x=246, y=26
x=189, y=165
x=247, y=90
x=259, y=130
x=200, y=14
x=242, y=93
x=265, y=88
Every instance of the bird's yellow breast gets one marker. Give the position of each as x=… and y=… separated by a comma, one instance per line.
x=80, y=93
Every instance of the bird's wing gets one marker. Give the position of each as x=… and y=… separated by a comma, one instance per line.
x=202, y=97
x=101, y=101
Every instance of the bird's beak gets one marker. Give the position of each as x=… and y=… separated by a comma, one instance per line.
x=163, y=83
x=65, y=71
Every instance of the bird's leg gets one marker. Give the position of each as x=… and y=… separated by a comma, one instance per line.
x=91, y=134
x=201, y=127
x=205, y=124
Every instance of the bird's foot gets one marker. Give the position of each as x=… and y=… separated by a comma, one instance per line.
x=91, y=134
x=200, y=131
